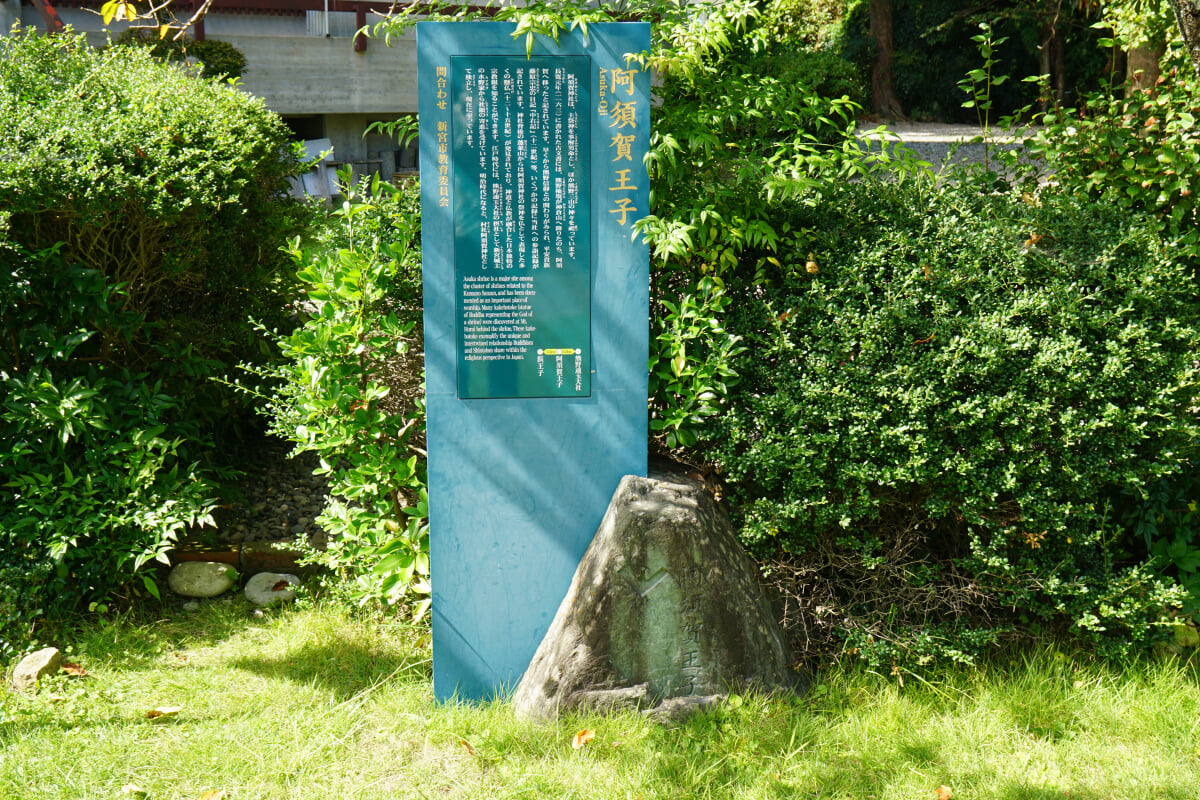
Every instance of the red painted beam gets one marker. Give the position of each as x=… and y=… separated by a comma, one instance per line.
x=298, y=6
x=360, y=21
x=54, y=23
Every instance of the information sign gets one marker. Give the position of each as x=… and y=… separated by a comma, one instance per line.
x=522, y=216
x=536, y=291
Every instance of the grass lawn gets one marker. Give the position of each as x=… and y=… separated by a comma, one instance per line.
x=308, y=703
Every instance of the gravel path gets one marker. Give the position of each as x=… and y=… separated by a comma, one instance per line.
x=936, y=142
x=278, y=499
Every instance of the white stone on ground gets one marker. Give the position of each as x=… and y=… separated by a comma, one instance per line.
x=201, y=578
x=36, y=666
x=267, y=588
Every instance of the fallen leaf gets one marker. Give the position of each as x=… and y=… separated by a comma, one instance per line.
x=582, y=738
x=132, y=788
x=163, y=711
x=467, y=745
x=56, y=698
x=215, y=794
x=280, y=586
x=944, y=793
x=73, y=669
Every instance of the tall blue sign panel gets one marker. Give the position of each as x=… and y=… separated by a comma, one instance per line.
x=536, y=323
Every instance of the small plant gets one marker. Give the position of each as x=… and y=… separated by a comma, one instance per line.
x=980, y=81
x=1140, y=152
x=979, y=85
x=691, y=364
x=340, y=392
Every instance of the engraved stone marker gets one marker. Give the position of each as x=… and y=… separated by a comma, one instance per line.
x=536, y=323
x=665, y=604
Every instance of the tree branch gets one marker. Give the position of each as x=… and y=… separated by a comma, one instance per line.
x=1187, y=17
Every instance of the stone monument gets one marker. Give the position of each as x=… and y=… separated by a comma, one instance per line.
x=665, y=604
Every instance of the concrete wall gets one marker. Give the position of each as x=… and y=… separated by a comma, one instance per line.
x=218, y=25
x=293, y=72
x=315, y=75
x=10, y=13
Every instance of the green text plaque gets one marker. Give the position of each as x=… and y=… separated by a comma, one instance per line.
x=522, y=219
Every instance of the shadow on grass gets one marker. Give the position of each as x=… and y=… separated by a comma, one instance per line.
x=135, y=640
x=345, y=668
x=765, y=751
x=1024, y=791
x=706, y=758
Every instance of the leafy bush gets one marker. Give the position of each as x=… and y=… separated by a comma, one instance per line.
x=820, y=72
x=801, y=23
x=140, y=214
x=942, y=395
x=1165, y=519
x=93, y=483
x=170, y=186
x=349, y=390
x=738, y=132
x=218, y=59
x=1140, y=152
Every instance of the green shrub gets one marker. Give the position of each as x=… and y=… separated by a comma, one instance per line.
x=169, y=186
x=737, y=133
x=349, y=389
x=1141, y=153
x=141, y=213
x=801, y=23
x=812, y=74
x=951, y=395
x=1163, y=522
x=93, y=483
x=218, y=59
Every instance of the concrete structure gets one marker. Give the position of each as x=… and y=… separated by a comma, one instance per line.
x=302, y=58
x=10, y=14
